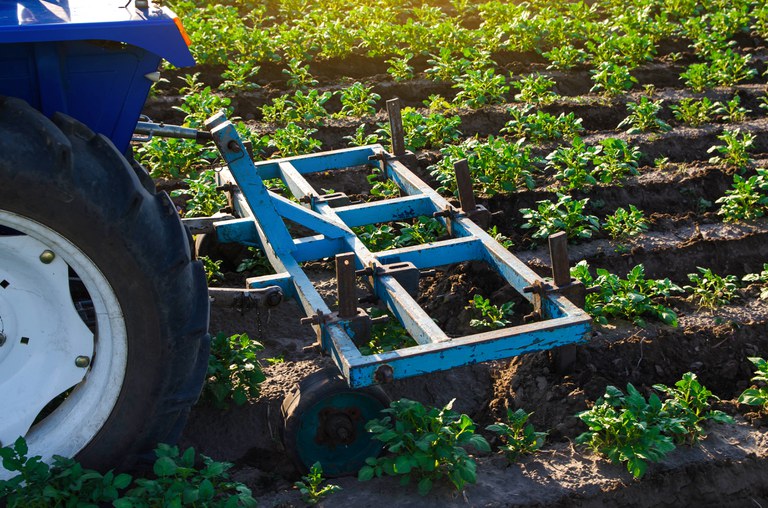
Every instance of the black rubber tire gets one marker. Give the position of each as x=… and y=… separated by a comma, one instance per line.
x=61, y=174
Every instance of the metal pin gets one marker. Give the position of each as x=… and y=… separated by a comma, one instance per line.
x=82, y=361
x=47, y=257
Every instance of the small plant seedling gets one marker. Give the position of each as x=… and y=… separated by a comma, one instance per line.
x=757, y=395
x=612, y=79
x=535, y=89
x=747, y=199
x=517, y=435
x=761, y=277
x=480, y=87
x=206, y=199
x=695, y=112
x=382, y=187
x=504, y=240
x=711, y=290
x=624, y=224
x=572, y=163
x=615, y=160
x=566, y=214
x=234, y=371
x=732, y=111
x=424, y=444
x=360, y=138
x=386, y=336
x=399, y=67
x=212, y=269
x=255, y=264
x=310, y=485
x=492, y=317
x=734, y=153
x=358, y=100
x=631, y=298
x=643, y=117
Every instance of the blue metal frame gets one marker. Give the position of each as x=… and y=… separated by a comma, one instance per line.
x=262, y=224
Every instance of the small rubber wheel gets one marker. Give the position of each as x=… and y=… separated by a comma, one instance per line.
x=103, y=314
x=325, y=422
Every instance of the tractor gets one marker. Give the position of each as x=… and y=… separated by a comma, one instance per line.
x=103, y=308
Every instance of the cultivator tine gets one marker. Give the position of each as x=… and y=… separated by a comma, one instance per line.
x=396, y=127
x=345, y=282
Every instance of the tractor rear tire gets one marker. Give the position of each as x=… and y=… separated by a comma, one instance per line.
x=68, y=189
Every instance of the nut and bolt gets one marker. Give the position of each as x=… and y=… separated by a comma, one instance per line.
x=82, y=362
x=47, y=257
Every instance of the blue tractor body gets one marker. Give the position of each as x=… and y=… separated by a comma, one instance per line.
x=94, y=61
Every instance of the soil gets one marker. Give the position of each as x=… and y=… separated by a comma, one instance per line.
x=728, y=468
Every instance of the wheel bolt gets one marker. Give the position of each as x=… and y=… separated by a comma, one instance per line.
x=3, y=338
x=47, y=257
x=82, y=361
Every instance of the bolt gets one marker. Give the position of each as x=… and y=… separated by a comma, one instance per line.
x=384, y=374
x=82, y=361
x=47, y=257
x=3, y=338
x=234, y=146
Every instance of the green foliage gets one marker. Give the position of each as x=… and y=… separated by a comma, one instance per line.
x=724, y=67
x=688, y=403
x=695, y=112
x=566, y=214
x=360, y=138
x=491, y=317
x=732, y=111
x=734, y=153
x=433, y=130
x=381, y=186
x=565, y=57
x=174, y=157
x=480, y=87
x=294, y=140
x=711, y=290
x=177, y=482
x=310, y=486
x=377, y=237
x=612, y=79
x=535, y=89
x=643, y=117
x=572, y=163
x=623, y=223
x=747, y=199
x=239, y=76
x=496, y=165
x=762, y=278
x=199, y=102
x=757, y=395
x=399, y=68
x=500, y=237
x=615, y=160
x=631, y=298
x=234, y=372
x=206, y=199
x=256, y=263
x=539, y=127
x=423, y=230
x=425, y=444
x=299, y=77
x=358, y=100
x=212, y=269
x=386, y=336
x=630, y=428
x=517, y=435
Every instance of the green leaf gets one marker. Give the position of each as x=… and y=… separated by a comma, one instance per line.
x=165, y=466
x=425, y=485
x=365, y=473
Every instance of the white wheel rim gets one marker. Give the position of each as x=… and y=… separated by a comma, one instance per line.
x=50, y=364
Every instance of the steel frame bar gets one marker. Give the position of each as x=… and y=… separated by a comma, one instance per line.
x=266, y=211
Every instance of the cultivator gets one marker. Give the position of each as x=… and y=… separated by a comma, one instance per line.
x=134, y=360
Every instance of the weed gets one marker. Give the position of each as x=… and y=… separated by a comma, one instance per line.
x=757, y=395
x=492, y=317
x=624, y=223
x=517, y=435
x=761, y=277
x=566, y=214
x=206, y=198
x=234, y=372
x=310, y=486
x=426, y=444
x=695, y=112
x=747, y=199
x=631, y=298
x=734, y=153
x=711, y=290
x=643, y=117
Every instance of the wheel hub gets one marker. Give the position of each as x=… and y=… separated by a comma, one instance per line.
x=43, y=333
x=337, y=426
